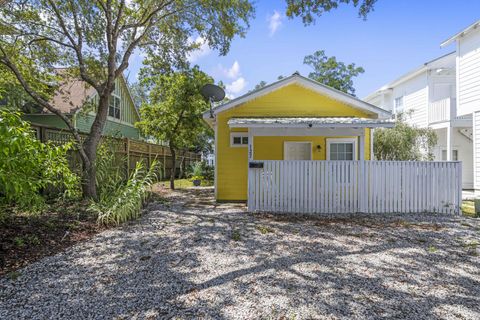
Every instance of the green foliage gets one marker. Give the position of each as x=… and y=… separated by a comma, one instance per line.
x=94, y=40
x=12, y=92
x=31, y=240
x=432, y=249
x=139, y=94
x=84, y=34
x=176, y=106
x=308, y=9
x=185, y=183
x=264, y=230
x=236, y=236
x=208, y=172
x=259, y=85
x=404, y=142
x=174, y=112
x=201, y=169
x=196, y=169
x=27, y=166
x=111, y=171
x=333, y=73
x=123, y=202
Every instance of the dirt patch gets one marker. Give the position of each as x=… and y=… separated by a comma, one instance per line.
x=26, y=238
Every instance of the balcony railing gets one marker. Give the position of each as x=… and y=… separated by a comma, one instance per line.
x=442, y=110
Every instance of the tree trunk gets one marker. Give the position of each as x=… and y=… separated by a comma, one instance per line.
x=172, y=170
x=182, y=166
x=89, y=187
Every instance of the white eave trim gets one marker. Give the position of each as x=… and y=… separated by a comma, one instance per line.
x=309, y=84
x=460, y=34
x=323, y=125
x=382, y=124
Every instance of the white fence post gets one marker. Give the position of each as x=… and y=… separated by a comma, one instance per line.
x=458, y=208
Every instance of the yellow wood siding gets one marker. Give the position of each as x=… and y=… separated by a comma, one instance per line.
x=272, y=148
x=290, y=101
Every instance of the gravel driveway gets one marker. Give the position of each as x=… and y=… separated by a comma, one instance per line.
x=188, y=258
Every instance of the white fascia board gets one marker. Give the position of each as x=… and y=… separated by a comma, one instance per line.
x=471, y=27
x=320, y=125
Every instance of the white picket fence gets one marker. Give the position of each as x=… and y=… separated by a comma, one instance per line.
x=299, y=186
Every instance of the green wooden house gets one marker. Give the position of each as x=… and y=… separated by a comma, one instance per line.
x=77, y=100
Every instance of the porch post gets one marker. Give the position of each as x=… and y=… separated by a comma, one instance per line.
x=250, y=195
x=361, y=149
x=250, y=145
x=372, y=156
x=449, y=143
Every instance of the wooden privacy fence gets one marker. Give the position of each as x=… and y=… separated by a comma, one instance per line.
x=131, y=151
x=354, y=186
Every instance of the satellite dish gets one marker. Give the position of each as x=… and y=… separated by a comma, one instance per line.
x=213, y=93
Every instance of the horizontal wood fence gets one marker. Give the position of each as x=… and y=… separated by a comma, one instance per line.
x=130, y=151
x=355, y=186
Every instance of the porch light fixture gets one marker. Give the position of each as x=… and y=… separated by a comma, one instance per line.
x=319, y=147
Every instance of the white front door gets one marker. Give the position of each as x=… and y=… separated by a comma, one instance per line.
x=297, y=151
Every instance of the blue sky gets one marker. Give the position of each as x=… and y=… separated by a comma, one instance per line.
x=398, y=36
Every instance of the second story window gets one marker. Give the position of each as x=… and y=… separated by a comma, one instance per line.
x=399, y=104
x=114, y=107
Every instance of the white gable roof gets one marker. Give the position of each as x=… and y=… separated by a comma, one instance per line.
x=468, y=29
x=442, y=61
x=309, y=84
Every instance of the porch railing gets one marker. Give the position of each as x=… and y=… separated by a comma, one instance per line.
x=442, y=110
x=355, y=186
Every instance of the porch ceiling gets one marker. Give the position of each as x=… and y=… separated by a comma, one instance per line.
x=324, y=122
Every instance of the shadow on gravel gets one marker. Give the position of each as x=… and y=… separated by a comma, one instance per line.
x=192, y=258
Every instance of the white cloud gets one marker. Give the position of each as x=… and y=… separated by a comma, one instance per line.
x=232, y=72
x=203, y=50
x=236, y=86
x=274, y=22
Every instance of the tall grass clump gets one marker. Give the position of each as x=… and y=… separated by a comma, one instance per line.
x=120, y=199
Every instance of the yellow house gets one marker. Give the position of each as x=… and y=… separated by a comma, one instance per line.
x=294, y=118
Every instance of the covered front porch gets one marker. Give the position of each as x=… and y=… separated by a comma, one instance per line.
x=284, y=174
x=332, y=138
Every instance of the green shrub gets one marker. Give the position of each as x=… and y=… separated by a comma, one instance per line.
x=200, y=171
x=123, y=201
x=28, y=166
x=195, y=170
x=208, y=171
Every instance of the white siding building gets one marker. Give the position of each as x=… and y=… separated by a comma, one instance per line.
x=427, y=98
x=468, y=86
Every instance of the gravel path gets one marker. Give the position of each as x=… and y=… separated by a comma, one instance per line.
x=189, y=258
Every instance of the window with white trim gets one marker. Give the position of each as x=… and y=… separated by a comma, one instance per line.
x=454, y=155
x=238, y=139
x=399, y=104
x=342, y=149
x=114, y=107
